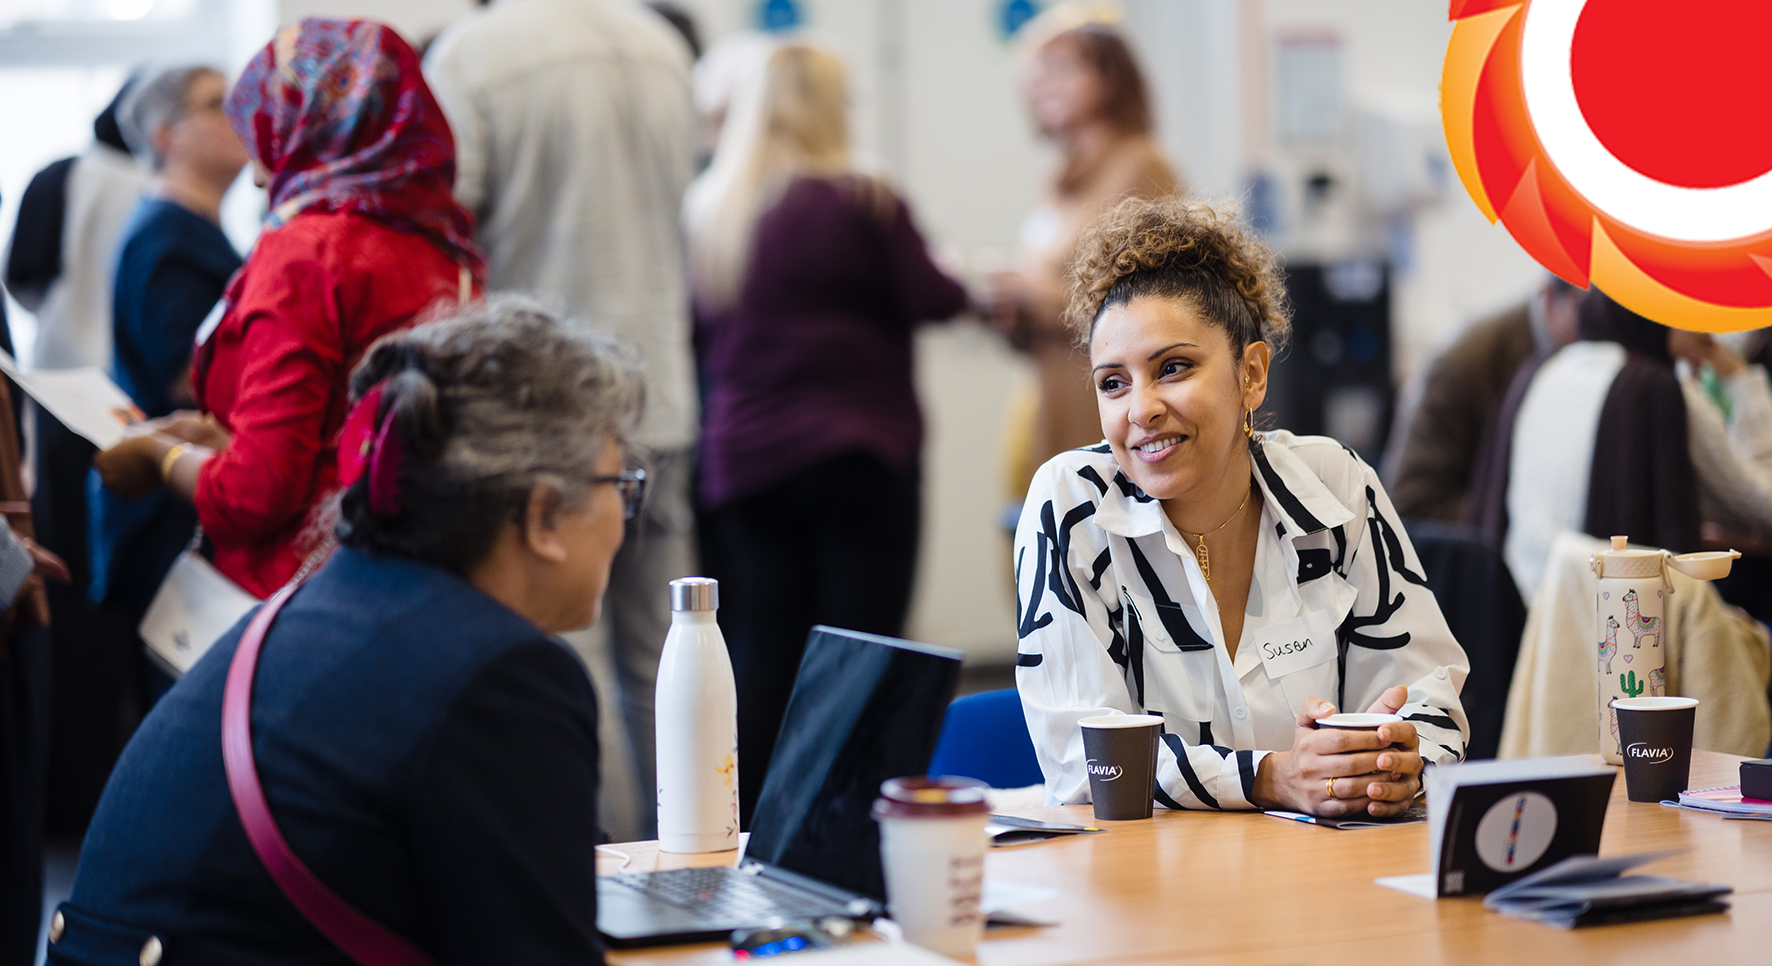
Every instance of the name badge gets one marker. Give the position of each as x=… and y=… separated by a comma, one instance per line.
x=1302, y=642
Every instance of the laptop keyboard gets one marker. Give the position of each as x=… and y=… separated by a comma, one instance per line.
x=725, y=894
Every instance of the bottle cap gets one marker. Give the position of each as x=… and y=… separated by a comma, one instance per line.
x=1620, y=560
x=695, y=593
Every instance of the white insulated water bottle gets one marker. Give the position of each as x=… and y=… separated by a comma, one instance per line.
x=1632, y=626
x=697, y=726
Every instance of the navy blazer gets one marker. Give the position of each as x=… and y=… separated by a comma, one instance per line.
x=428, y=753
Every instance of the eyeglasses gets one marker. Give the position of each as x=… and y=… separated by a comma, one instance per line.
x=631, y=484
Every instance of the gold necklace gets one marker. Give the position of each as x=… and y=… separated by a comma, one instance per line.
x=1200, y=552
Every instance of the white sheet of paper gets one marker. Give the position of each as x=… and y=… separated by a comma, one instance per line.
x=1000, y=895
x=1420, y=884
x=85, y=399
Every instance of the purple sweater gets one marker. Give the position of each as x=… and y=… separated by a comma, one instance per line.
x=814, y=361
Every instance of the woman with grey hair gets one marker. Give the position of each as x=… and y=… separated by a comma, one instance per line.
x=173, y=263
x=412, y=777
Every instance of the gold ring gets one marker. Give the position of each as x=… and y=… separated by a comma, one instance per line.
x=1329, y=783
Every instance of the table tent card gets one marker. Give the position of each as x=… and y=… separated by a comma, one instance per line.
x=1491, y=822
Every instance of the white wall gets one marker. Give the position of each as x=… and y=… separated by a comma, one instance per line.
x=1189, y=52
x=972, y=167
x=415, y=19
x=1463, y=267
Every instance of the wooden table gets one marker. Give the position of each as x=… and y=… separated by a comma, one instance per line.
x=1205, y=887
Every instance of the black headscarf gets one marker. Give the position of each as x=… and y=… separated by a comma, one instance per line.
x=105, y=127
x=1643, y=483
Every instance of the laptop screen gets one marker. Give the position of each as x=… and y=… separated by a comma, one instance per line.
x=864, y=709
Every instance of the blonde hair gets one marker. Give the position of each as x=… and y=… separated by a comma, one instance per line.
x=789, y=121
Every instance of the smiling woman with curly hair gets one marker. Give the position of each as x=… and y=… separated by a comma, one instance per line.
x=1241, y=584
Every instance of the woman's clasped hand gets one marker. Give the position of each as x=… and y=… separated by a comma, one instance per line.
x=1333, y=773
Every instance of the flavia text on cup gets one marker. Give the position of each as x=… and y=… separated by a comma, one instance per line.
x=1648, y=753
x=1106, y=773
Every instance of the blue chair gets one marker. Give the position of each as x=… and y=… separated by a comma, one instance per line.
x=984, y=736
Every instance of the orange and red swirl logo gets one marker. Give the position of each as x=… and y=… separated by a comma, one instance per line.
x=1624, y=143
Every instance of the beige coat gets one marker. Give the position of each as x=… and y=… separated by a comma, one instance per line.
x=1715, y=653
x=1066, y=416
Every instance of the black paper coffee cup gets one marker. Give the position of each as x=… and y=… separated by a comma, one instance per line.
x=1122, y=760
x=1655, y=738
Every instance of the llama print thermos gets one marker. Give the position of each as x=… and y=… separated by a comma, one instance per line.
x=697, y=726
x=1631, y=624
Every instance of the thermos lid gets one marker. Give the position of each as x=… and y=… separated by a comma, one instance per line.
x=695, y=593
x=1621, y=561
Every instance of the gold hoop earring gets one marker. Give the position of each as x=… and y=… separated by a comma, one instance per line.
x=1249, y=423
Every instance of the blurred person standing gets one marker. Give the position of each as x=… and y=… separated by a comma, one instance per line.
x=24, y=704
x=172, y=266
x=1087, y=95
x=361, y=238
x=1462, y=397
x=809, y=280
x=1610, y=437
x=62, y=255
x=575, y=134
x=60, y=265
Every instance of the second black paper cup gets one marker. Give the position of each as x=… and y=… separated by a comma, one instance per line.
x=1655, y=737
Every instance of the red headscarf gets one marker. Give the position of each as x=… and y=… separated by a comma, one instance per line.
x=339, y=113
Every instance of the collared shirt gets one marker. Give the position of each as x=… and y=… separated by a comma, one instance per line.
x=574, y=143
x=1115, y=617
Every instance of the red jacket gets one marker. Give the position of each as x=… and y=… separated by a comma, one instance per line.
x=312, y=297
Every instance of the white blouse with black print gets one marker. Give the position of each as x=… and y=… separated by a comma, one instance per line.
x=1115, y=617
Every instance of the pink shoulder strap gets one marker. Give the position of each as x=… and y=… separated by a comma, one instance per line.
x=360, y=937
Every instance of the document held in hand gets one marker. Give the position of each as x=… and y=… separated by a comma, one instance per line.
x=1492, y=822
x=85, y=399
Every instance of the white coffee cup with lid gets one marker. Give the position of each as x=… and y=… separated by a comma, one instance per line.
x=932, y=847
